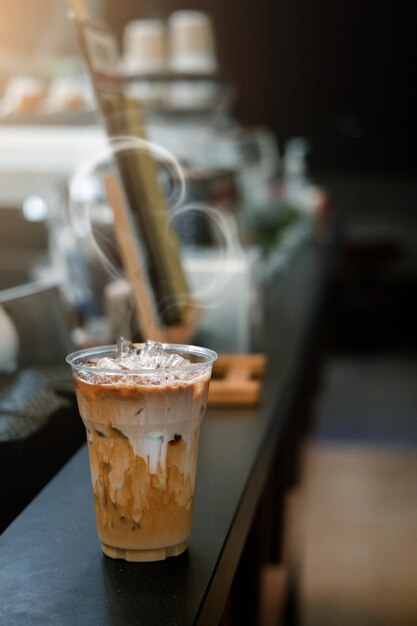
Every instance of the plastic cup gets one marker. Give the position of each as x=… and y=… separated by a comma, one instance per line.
x=143, y=431
x=144, y=46
x=191, y=42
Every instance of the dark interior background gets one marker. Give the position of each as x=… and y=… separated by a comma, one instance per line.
x=338, y=72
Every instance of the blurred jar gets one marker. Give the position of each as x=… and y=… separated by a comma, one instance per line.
x=192, y=57
x=144, y=47
x=144, y=60
x=191, y=43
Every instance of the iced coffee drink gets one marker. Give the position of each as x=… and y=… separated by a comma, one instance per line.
x=142, y=407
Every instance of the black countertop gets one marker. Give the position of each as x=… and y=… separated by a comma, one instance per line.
x=52, y=570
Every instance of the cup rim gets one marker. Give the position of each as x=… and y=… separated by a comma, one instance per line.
x=183, y=349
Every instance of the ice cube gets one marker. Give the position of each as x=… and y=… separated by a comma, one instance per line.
x=107, y=363
x=132, y=362
x=152, y=348
x=123, y=347
x=175, y=361
x=151, y=355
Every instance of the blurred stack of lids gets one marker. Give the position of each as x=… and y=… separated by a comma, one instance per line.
x=172, y=63
x=191, y=43
x=144, y=47
x=185, y=44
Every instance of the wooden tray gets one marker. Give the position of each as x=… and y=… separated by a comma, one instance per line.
x=237, y=380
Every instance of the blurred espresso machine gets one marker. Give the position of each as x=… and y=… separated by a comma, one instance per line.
x=225, y=171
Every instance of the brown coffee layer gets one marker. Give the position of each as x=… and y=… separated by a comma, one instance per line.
x=143, y=447
x=134, y=508
x=138, y=405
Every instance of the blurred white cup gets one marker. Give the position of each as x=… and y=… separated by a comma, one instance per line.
x=144, y=47
x=191, y=42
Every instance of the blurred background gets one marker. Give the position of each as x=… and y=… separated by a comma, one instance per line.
x=296, y=120
x=340, y=71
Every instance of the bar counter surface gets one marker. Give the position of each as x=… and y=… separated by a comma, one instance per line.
x=52, y=570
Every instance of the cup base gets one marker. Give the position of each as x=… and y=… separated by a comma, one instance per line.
x=139, y=556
